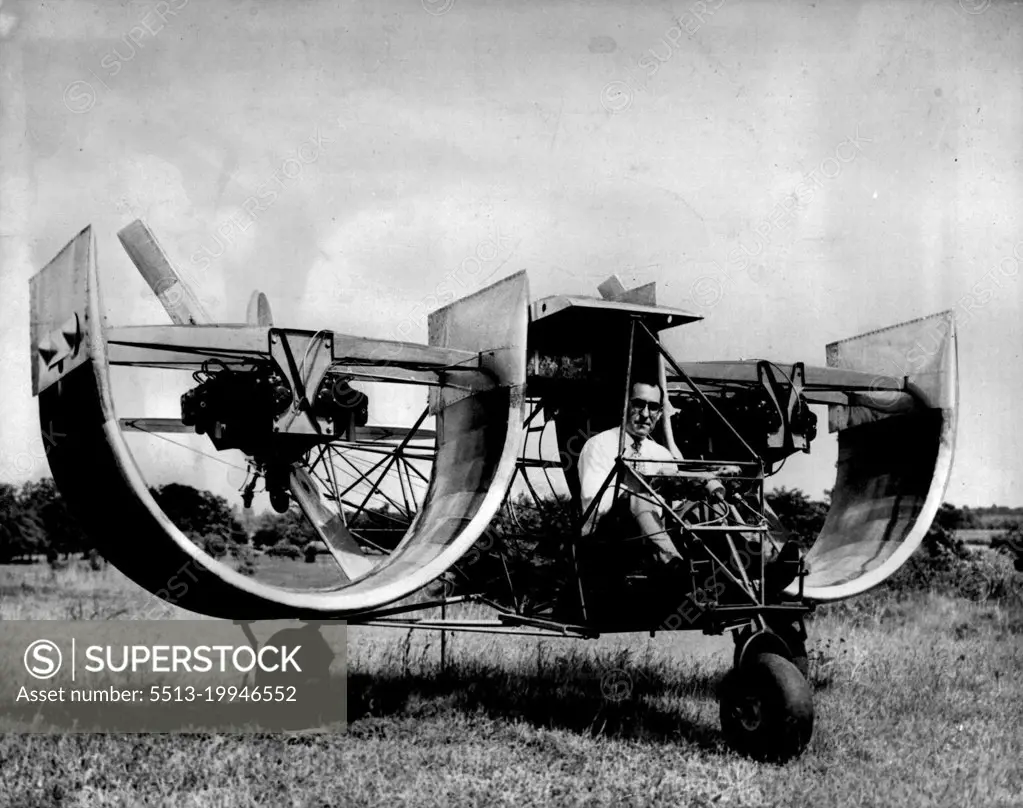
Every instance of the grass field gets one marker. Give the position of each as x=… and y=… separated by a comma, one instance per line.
x=919, y=702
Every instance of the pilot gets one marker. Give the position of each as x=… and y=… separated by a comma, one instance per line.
x=597, y=460
x=635, y=514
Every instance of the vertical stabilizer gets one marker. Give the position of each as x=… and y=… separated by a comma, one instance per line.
x=259, y=312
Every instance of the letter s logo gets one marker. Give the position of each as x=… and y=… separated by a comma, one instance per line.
x=43, y=659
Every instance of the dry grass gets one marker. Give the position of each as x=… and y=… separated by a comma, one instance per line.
x=919, y=702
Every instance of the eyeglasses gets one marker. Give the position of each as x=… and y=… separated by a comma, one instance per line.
x=641, y=404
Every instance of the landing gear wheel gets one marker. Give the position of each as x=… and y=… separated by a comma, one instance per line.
x=767, y=709
x=791, y=636
x=797, y=648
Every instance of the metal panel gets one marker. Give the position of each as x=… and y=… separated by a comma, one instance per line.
x=479, y=323
x=59, y=315
x=892, y=468
x=579, y=310
x=921, y=351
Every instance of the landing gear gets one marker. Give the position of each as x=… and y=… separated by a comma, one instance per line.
x=792, y=645
x=767, y=708
x=795, y=638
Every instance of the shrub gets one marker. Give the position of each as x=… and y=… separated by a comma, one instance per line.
x=1010, y=543
x=96, y=561
x=801, y=516
x=284, y=549
x=945, y=564
x=246, y=558
x=215, y=545
x=265, y=538
x=55, y=561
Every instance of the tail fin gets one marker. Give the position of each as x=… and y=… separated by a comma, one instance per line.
x=259, y=312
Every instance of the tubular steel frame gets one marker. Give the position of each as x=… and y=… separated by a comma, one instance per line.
x=396, y=460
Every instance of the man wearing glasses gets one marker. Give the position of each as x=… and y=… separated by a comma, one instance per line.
x=597, y=460
x=634, y=514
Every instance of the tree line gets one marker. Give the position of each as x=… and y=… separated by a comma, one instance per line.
x=34, y=521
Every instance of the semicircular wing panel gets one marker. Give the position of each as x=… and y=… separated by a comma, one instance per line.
x=892, y=468
x=89, y=458
x=478, y=436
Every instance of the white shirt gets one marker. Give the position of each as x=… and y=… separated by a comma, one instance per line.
x=597, y=460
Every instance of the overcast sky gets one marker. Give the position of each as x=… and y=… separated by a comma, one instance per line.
x=347, y=159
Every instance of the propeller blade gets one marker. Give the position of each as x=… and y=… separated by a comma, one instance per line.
x=328, y=525
x=152, y=262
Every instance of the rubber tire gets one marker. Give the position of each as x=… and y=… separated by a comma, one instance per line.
x=779, y=705
x=797, y=649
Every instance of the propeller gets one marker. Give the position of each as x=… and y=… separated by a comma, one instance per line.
x=329, y=526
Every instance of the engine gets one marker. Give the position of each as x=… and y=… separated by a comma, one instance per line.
x=339, y=402
x=754, y=415
x=236, y=408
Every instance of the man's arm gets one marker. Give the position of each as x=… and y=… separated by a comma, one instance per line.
x=589, y=485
